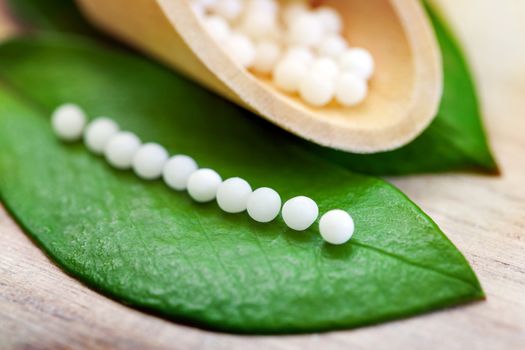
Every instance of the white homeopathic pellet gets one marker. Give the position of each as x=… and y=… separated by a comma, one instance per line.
x=288, y=73
x=336, y=226
x=300, y=53
x=317, y=89
x=306, y=30
x=350, y=89
x=229, y=9
x=218, y=28
x=332, y=46
x=358, y=61
x=98, y=133
x=330, y=19
x=325, y=66
x=264, y=204
x=149, y=161
x=241, y=49
x=121, y=149
x=177, y=171
x=300, y=212
x=68, y=122
x=203, y=185
x=259, y=24
x=267, y=54
x=293, y=10
x=233, y=194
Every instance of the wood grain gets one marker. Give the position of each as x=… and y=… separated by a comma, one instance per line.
x=42, y=308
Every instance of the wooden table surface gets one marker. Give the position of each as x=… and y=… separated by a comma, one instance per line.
x=43, y=308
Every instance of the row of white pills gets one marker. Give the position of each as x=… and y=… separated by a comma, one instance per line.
x=124, y=150
x=301, y=46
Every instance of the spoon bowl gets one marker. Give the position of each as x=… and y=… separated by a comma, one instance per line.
x=404, y=92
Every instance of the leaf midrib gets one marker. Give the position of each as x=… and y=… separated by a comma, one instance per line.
x=416, y=264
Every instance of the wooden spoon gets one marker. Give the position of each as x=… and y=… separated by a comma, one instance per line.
x=404, y=92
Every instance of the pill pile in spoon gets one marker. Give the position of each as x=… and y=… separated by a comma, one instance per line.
x=124, y=150
x=299, y=45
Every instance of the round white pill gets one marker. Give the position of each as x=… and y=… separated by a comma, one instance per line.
x=288, y=73
x=228, y=9
x=264, y=204
x=68, y=122
x=206, y=4
x=258, y=25
x=317, y=89
x=330, y=19
x=332, y=46
x=350, y=89
x=325, y=66
x=203, y=185
x=218, y=28
x=300, y=53
x=177, y=171
x=241, y=49
x=299, y=213
x=262, y=7
x=306, y=30
x=233, y=194
x=336, y=226
x=358, y=61
x=266, y=56
x=292, y=11
x=149, y=161
x=121, y=148
x=98, y=133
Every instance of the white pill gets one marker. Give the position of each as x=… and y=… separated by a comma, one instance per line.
x=121, y=149
x=203, y=185
x=317, y=89
x=325, y=66
x=177, y=171
x=301, y=53
x=288, y=73
x=330, y=19
x=241, y=49
x=258, y=25
x=358, y=61
x=350, y=89
x=149, y=160
x=233, y=194
x=68, y=122
x=306, y=30
x=264, y=204
x=336, y=226
x=292, y=11
x=218, y=28
x=98, y=133
x=207, y=4
x=262, y=7
x=299, y=213
x=332, y=46
x=266, y=56
x=228, y=9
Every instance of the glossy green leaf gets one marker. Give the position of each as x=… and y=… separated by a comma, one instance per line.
x=155, y=249
x=454, y=141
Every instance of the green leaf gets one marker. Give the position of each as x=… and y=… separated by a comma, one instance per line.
x=156, y=249
x=51, y=15
x=454, y=141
